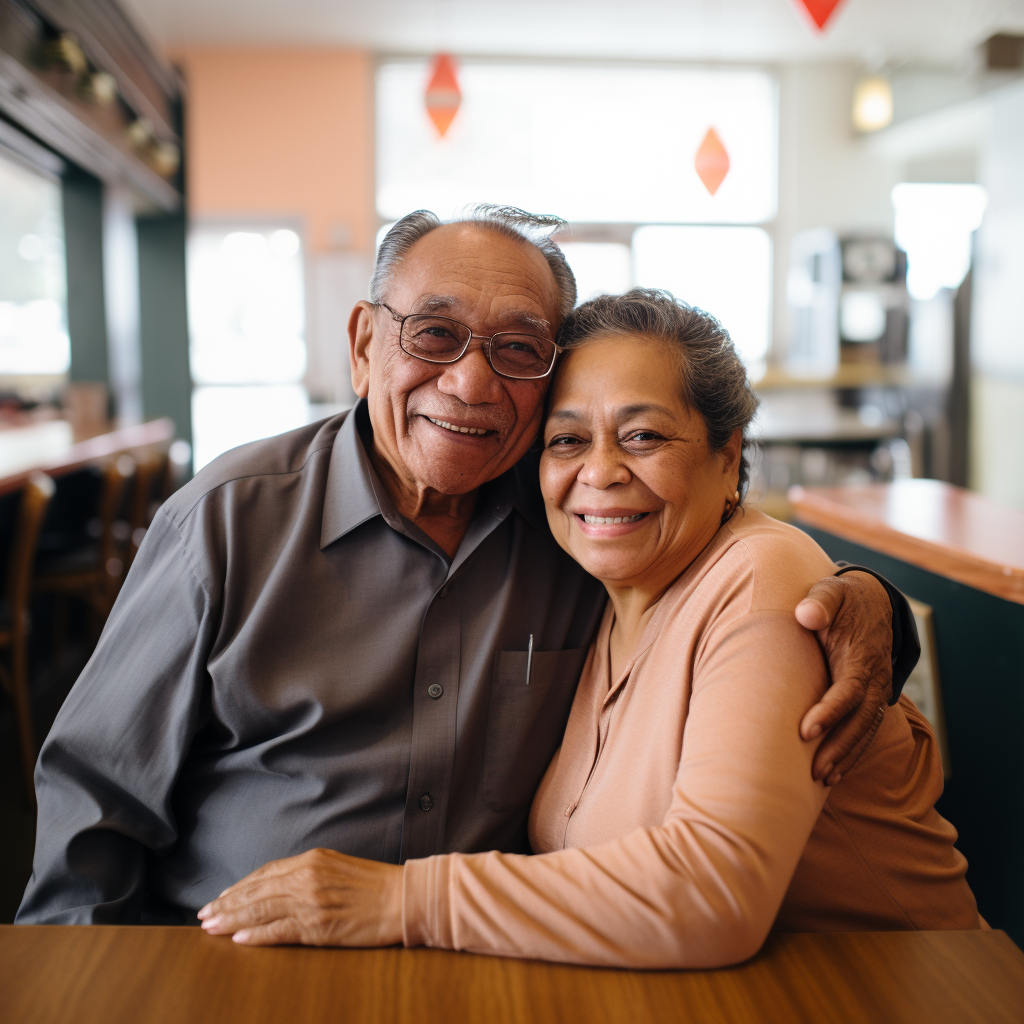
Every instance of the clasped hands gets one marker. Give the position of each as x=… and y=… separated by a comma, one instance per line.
x=325, y=898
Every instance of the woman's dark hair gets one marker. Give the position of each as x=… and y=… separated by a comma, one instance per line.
x=713, y=379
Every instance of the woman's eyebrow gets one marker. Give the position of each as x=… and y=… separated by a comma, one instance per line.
x=627, y=412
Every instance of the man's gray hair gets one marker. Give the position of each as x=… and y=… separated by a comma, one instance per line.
x=508, y=220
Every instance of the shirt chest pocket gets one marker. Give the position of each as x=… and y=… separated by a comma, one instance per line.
x=525, y=722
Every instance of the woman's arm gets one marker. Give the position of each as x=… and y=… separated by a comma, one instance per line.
x=700, y=890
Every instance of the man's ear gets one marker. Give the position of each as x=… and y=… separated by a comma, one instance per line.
x=360, y=334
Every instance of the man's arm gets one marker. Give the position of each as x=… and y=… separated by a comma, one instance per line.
x=108, y=766
x=867, y=631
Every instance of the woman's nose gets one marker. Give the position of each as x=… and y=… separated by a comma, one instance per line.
x=603, y=467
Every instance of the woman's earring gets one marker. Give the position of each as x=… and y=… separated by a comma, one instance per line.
x=730, y=506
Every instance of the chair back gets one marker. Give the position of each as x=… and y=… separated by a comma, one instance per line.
x=35, y=499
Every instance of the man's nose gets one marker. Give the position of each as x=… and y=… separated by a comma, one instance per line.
x=603, y=467
x=471, y=379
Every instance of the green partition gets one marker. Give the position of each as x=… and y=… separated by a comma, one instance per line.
x=979, y=643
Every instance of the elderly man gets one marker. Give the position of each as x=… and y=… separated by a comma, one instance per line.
x=320, y=644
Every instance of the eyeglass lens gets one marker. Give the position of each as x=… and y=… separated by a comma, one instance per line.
x=439, y=339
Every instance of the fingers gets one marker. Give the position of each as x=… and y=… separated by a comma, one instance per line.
x=838, y=701
x=823, y=601
x=225, y=920
x=844, y=746
x=278, y=933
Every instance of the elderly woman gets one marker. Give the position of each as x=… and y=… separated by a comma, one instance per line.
x=679, y=821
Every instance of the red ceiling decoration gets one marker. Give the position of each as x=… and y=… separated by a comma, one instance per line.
x=711, y=161
x=443, y=93
x=820, y=11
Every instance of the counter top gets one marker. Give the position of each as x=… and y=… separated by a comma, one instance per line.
x=938, y=527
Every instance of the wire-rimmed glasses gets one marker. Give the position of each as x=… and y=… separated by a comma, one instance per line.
x=440, y=339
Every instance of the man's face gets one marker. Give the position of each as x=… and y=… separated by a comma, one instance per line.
x=491, y=283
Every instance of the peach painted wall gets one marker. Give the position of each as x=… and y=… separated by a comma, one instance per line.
x=283, y=132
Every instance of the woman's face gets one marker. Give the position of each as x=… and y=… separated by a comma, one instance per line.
x=631, y=490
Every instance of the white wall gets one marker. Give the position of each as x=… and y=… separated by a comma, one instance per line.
x=997, y=331
x=827, y=175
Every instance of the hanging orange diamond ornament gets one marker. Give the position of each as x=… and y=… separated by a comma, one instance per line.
x=820, y=11
x=443, y=93
x=711, y=161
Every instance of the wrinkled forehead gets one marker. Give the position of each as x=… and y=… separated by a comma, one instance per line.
x=472, y=272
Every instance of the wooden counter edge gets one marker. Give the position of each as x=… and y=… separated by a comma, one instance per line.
x=95, y=449
x=869, y=531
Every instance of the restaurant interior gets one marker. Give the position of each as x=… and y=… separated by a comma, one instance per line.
x=191, y=197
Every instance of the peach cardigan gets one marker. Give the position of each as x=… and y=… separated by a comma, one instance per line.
x=679, y=822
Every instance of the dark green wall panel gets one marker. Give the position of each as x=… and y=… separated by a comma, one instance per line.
x=83, y=241
x=163, y=320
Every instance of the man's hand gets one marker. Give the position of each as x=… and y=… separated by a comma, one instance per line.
x=853, y=619
x=320, y=898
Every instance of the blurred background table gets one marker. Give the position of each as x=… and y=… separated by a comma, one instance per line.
x=117, y=975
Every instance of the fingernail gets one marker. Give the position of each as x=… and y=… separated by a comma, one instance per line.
x=213, y=923
x=204, y=913
x=826, y=770
x=833, y=780
x=242, y=936
x=814, y=732
x=223, y=894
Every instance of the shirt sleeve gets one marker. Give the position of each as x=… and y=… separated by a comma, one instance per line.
x=701, y=889
x=108, y=766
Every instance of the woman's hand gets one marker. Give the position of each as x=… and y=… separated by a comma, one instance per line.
x=320, y=898
x=853, y=619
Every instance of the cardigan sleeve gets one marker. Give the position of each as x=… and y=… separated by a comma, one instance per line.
x=699, y=890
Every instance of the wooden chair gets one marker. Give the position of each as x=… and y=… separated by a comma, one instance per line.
x=150, y=476
x=14, y=630
x=93, y=573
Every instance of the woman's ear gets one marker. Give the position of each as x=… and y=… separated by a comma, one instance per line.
x=360, y=334
x=731, y=455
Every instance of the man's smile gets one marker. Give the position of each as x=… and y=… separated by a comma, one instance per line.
x=455, y=428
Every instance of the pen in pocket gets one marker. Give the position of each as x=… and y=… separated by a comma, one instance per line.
x=529, y=659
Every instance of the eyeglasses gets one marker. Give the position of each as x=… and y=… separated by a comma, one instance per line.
x=439, y=339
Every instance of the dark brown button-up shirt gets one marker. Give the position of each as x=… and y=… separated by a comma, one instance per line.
x=292, y=664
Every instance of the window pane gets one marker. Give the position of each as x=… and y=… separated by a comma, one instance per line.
x=33, y=308
x=246, y=305
x=225, y=417
x=601, y=268
x=726, y=271
x=590, y=144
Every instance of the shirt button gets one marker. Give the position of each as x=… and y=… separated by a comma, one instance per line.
x=435, y=690
x=426, y=802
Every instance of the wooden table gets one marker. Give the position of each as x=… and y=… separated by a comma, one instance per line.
x=116, y=975
x=49, y=448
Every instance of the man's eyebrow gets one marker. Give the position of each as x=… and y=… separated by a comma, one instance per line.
x=449, y=305
x=436, y=304
x=520, y=318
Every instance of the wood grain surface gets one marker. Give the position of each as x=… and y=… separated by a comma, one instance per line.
x=116, y=975
x=933, y=525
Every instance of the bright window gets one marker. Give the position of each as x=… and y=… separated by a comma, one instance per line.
x=247, y=335
x=726, y=271
x=33, y=285
x=597, y=144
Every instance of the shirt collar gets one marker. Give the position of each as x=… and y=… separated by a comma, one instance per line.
x=356, y=495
